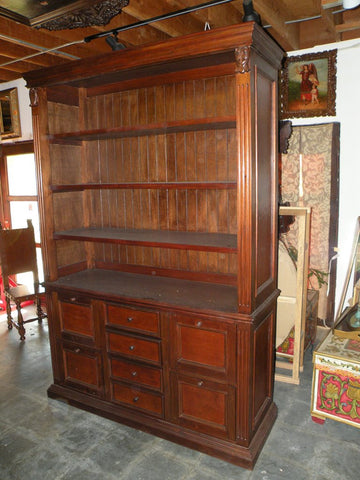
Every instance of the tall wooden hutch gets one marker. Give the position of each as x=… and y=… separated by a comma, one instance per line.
x=158, y=193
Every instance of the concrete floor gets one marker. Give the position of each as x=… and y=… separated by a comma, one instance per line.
x=44, y=439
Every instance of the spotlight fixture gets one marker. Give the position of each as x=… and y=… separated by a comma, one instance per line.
x=350, y=4
x=112, y=41
x=249, y=13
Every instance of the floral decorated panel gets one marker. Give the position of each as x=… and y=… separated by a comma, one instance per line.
x=336, y=380
x=338, y=396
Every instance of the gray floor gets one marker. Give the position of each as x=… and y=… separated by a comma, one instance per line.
x=45, y=439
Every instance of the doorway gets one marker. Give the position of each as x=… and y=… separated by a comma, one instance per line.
x=19, y=199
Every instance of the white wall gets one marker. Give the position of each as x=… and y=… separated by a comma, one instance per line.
x=24, y=107
x=348, y=115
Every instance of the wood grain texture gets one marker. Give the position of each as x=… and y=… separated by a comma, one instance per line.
x=165, y=239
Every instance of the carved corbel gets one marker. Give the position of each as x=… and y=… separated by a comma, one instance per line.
x=34, y=97
x=242, y=59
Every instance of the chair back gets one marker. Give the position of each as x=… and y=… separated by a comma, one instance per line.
x=18, y=252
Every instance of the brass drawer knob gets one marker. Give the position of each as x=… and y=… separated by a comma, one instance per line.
x=130, y=319
x=77, y=350
x=200, y=383
x=135, y=399
x=132, y=347
x=134, y=374
x=199, y=323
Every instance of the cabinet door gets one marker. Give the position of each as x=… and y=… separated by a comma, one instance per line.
x=76, y=319
x=204, y=346
x=82, y=368
x=204, y=405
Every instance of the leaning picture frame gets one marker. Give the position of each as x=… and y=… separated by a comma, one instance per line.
x=351, y=270
x=308, y=85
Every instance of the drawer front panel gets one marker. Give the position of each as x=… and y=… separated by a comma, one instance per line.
x=82, y=368
x=135, y=347
x=139, y=374
x=138, y=399
x=141, y=320
x=76, y=319
x=204, y=346
x=205, y=406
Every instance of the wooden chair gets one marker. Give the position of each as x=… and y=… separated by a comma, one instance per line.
x=18, y=255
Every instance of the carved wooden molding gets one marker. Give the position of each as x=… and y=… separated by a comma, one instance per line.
x=99, y=14
x=242, y=59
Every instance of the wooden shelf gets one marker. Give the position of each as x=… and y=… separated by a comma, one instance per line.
x=210, y=242
x=150, y=289
x=214, y=123
x=71, y=187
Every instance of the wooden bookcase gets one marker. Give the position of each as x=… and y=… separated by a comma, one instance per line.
x=157, y=174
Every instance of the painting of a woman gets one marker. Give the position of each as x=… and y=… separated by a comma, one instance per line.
x=308, y=85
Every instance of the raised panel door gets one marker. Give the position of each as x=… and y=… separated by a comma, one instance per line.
x=82, y=368
x=203, y=345
x=204, y=405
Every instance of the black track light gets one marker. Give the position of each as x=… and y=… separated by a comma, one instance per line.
x=249, y=13
x=113, y=42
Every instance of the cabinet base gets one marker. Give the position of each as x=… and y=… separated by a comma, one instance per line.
x=225, y=450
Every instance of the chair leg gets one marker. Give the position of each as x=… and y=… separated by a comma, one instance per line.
x=8, y=313
x=39, y=311
x=20, y=321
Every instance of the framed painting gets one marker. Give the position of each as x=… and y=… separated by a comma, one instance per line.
x=9, y=114
x=308, y=85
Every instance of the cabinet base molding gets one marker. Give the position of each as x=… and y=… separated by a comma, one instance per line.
x=228, y=451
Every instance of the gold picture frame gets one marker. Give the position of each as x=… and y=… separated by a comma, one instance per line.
x=308, y=85
x=9, y=114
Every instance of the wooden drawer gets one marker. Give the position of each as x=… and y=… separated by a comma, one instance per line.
x=82, y=368
x=135, y=347
x=204, y=405
x=135, y=373
x=140, y=320
x=204, y=346
x=76, y=319
x=136, y=398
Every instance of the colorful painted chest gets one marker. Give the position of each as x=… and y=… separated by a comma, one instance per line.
x=336, y=380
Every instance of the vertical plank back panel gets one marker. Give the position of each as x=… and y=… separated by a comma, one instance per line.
x=176, y=157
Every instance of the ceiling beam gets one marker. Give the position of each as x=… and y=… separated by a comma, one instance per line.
x=347, y=26
x=19, y=67
x=134, y=37
x=330, y=3
x=217, y=16
x=12, y=51
x=275, y=14
x=174, y=27
x=330, y=23
x=7, y=76
x=24, y=35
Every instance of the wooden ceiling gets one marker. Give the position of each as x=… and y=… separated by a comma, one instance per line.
x=294, y=24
